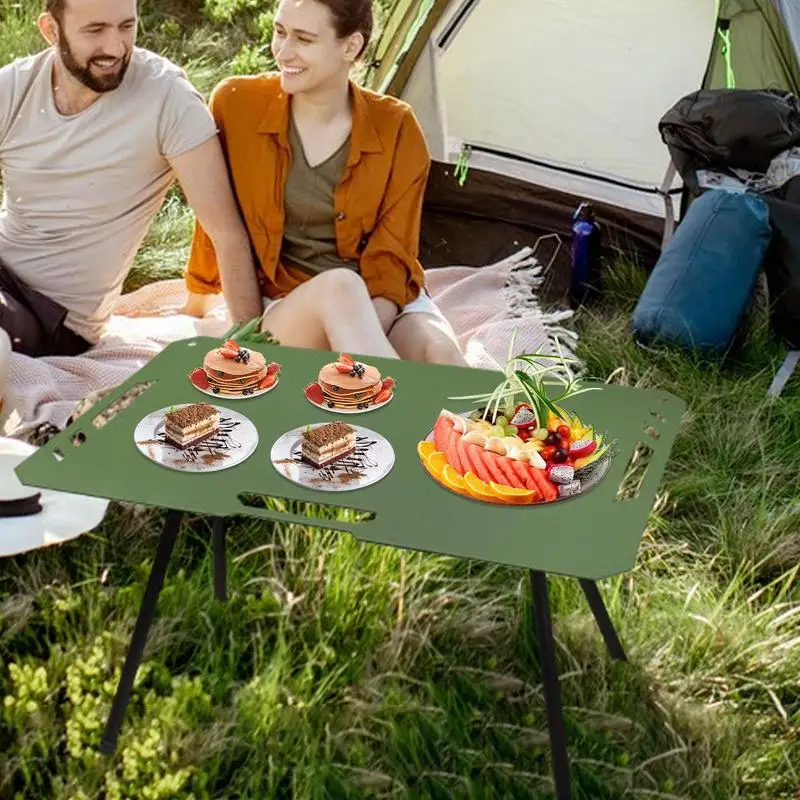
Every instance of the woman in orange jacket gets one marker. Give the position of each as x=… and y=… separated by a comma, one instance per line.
x=330, y=179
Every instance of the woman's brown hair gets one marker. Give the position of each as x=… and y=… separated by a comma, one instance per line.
x=351, y=16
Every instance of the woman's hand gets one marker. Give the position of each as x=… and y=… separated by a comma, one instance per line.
x=198, y=305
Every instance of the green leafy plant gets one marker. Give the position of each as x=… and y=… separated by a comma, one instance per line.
x=524, y=376
x=251, y=334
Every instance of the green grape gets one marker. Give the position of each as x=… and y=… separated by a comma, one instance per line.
x=541, y=434
x=511, y=430
x=497, y=431
x=501, y=421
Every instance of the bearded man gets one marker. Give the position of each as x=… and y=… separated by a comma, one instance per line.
x=93, y=132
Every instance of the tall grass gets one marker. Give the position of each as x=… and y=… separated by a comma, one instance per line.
x=345, y=670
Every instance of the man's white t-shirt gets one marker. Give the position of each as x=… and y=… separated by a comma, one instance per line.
x=81, y=191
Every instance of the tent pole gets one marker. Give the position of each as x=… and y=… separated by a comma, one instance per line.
x=669, y=206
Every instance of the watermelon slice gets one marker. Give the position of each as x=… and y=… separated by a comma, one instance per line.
x=546, y=489
x=490, y=458
x=453, y=458
x=512, y=479
x=441, y=433
x=475, y=457
x=523, y=473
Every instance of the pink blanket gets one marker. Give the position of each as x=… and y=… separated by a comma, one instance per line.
x=484, y=306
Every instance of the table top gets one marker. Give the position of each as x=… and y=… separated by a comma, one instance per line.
x=593, y=535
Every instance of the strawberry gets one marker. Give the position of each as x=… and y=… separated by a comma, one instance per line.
x=343, y=367
x=388, y=383
x=229, y=352
x=199, y=378
x=274, y=368
x=314, y=393
x=267, y=381
x=382, y=397
x=233, y=344
x=345, y=359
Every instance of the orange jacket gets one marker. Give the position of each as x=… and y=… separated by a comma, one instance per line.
x=378, y=200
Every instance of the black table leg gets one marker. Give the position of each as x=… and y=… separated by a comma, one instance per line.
x=166, y=544
x=595, y=600
x=550, y=685
x=220, y=569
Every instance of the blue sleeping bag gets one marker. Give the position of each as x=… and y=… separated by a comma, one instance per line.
x=704, y=279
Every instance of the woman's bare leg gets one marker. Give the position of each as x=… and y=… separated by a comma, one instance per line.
x=424, y=337
x=331, y=311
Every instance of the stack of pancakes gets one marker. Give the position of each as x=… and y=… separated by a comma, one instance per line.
x=349, y=390
x=227, y=376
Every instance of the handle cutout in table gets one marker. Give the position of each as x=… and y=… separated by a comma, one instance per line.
x=635, y=472
x=78, y=438
x=303, y=508
x=121, y=403
x=651, y=431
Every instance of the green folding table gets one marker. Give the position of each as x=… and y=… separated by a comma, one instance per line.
x=588, y=537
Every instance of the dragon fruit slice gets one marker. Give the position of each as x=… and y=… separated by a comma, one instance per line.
x=569, y=489
x=561, y=473
x=523, y=417
x=582, y=448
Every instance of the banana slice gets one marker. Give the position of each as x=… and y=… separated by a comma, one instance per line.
x=536, y=460
x=512, y=441
x=475, y=436
x=459, y=423
x=496, y=445
x=518, y=455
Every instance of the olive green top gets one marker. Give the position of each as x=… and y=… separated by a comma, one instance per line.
x=309, y=236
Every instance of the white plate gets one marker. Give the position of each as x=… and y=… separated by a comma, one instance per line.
x=221, y=396
x=235, y=442
x=373, y=460
x=374, y=407
x=64, y=516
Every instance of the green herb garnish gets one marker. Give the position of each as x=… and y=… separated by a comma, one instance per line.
x=523, y=376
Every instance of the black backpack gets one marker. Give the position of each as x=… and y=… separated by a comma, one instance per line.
x=726, y=130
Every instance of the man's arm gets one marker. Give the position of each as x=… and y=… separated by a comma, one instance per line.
x=203, y=176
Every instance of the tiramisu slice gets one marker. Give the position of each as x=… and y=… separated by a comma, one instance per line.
x=191, y=424
x=328, y=443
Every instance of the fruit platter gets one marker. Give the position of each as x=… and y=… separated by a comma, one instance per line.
x=521, y=447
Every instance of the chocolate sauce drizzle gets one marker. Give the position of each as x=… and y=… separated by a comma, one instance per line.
x=345, y=469
x=222, y=440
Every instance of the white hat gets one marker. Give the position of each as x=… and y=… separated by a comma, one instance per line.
x=63, y=516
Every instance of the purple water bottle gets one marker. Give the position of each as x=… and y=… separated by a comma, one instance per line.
x=585, y=277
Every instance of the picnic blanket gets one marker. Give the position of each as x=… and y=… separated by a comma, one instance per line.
x=484, y=305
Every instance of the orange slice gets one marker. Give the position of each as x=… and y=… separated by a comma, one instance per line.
x=510, y=494
x=435, y=463
x=478, y=488
x=452, y=480
x=425, y=448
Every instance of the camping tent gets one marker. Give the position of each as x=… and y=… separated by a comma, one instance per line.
x=550, y=102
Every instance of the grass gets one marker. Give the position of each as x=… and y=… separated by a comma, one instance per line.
x=345, y=670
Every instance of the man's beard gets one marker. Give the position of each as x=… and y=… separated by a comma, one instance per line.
x=97, y=83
